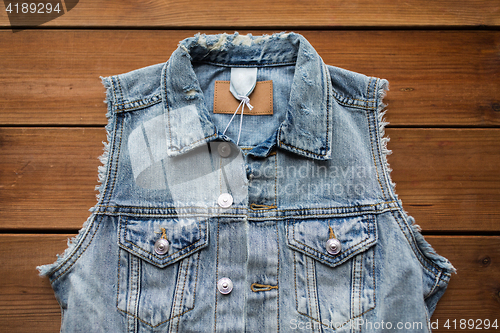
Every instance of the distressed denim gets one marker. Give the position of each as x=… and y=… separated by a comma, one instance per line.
x=296, y=228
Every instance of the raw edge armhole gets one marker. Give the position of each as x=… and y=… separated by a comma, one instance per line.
x=72, y=243
x=424, y=247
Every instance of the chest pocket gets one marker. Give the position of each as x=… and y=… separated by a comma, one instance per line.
x=334, y=267
x=158, y=267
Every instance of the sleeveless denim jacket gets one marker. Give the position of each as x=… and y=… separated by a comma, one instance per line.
x=294, y=226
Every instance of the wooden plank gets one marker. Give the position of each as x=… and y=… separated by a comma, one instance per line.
x=27, y=302
x=474, y=292
x=438, y=78
x=48, y=176
x=448, y=179
x=283, y=14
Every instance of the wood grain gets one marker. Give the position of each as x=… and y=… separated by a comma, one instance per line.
x=444, y=110
x=48, y=176
x=448, y=179
x=283, y=13
x=27, y=302
x=438, y=78
x=474, y=292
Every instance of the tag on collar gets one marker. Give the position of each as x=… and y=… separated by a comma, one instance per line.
x=243, y=81
x=261, y=99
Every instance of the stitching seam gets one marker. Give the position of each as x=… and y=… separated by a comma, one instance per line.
x=76, y=250
x=413, y=243
x=344, y=251
x=281, y=210
x=200, y=239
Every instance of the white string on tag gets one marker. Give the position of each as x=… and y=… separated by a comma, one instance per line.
x=244, y=101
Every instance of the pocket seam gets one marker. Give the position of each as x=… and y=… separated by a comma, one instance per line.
x=152, y=260
x=350, y=319
x=126, y=312
x=312, y=252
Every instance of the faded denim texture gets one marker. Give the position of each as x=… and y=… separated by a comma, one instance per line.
x=312, y=172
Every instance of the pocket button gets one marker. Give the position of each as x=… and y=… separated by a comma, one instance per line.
x=161, y=246
x=333, y=246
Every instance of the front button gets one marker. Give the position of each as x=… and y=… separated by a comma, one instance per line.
x=225, y=200
x=224, y=149
x=225, y=286
x=333, y=246
x=161, y=246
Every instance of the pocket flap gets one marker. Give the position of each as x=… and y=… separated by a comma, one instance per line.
x=309, y=236
x=185, y=236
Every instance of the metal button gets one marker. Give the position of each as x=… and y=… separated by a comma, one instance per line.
x=225, y=286
x=225, y=200
x=161, y=246
x=224, y=149
x=333, y=246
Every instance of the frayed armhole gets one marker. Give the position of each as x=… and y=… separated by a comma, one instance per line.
x=424, y=247
x=382, y=89
x=103, y=171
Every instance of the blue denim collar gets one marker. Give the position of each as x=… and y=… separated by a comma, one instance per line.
x=307, y=129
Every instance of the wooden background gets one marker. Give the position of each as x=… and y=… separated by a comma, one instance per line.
x=442, y=59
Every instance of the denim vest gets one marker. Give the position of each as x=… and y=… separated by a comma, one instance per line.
x=222, y=222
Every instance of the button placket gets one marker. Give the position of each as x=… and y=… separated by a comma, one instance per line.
x=262, y=180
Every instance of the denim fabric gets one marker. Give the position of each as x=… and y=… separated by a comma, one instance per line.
x=313, y=172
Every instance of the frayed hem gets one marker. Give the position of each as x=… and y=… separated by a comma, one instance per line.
x=107, y=83
x=102, y=170
x=48, y=269
x=383, y=88
x=425, y=248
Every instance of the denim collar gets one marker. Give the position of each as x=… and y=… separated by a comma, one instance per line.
x=307, y=128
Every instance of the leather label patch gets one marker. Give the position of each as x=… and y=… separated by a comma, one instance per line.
x=261, y=99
